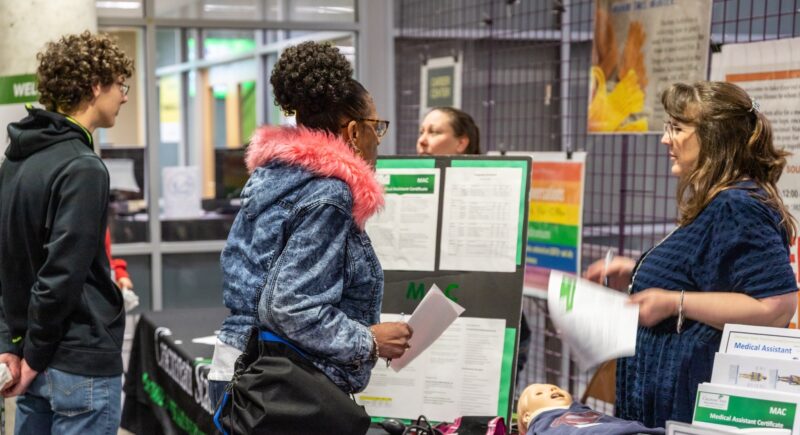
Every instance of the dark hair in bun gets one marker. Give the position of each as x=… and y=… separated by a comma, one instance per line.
x=314, y=81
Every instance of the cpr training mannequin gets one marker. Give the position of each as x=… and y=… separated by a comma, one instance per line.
x=545, y=409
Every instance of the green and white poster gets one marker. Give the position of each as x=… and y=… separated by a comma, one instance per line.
x=404, y=232
x=770, y=73
x=459, y=223
x=15, y=92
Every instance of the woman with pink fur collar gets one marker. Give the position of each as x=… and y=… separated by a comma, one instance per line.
x=299, y=271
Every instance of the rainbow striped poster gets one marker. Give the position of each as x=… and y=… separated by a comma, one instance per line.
x=555, y=217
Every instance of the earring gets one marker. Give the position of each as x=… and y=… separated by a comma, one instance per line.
x=356, y=150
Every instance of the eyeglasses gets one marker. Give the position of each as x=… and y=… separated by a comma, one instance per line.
x=125, y=88
x=672, y=129
x=381, y=126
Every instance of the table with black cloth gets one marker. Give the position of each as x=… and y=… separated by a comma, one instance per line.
x=166, y=385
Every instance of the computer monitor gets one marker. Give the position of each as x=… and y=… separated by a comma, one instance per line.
x=230, y=171
x=126, y=170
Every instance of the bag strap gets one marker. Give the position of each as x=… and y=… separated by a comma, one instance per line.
x=218, y=414
x=271, y=337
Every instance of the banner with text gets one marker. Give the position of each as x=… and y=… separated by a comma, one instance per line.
x=770, y=73
x=554, y=217
x=640, y=47
x=15, y=92
x=440, y=83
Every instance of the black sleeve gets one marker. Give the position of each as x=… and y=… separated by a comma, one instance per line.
x=7, y=343
x=79, y=198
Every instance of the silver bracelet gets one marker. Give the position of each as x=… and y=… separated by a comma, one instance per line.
x=375, y=354
x=680, y=314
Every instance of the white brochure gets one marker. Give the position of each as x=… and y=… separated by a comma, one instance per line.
x=597, y=323
x=430, y=319
x=481, y=219
x=756, y=372
x=677, y=428
x=457, y=375
x=404, y=232
x=726, y=406
x=763, y=341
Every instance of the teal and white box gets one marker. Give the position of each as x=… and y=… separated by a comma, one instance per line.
x=732, y=406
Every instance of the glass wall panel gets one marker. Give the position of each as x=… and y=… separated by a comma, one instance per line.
x=170, y=117
x=249, y=10
x=210, y=9
x=168, y=47
x=123, y=149
x=119, y=8
x=206, y=116
x=192, y=280
x=224, y=44
x=311, y=10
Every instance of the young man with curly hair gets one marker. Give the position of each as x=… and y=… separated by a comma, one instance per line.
x=61, y=317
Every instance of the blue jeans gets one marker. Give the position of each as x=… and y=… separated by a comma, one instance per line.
x=58, y=402
x=216, y=389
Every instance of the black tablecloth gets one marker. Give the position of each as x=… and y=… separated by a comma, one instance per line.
x=166, y=386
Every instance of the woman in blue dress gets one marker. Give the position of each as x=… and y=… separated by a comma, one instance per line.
x=726, y=262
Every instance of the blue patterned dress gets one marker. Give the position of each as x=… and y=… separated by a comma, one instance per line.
x=736, y=244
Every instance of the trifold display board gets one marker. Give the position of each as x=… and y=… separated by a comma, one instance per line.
x=458, y=222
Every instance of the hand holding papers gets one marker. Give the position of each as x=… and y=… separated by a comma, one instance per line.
x=597, y=323
x=5, y=375
x=430, y=319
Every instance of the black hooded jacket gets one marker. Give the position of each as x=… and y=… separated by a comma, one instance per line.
x=60, y=307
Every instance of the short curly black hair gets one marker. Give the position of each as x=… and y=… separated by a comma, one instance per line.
x=69, y=67
x=314, y=81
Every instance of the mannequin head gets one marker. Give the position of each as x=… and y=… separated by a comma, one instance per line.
x=536, y=397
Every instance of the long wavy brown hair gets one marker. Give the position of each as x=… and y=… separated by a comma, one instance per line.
x=735, y=145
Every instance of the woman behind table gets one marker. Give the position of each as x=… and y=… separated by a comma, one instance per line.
x=727, y=262
x=297, y=261
x=447, y=130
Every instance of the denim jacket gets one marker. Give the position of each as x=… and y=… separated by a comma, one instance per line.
x=297, y=261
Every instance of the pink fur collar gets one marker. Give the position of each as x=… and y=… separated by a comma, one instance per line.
x=324, y=155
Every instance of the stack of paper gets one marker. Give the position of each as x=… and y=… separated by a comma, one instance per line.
x=597, y=323
x=755, y=382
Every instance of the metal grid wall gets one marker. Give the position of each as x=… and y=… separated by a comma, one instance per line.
x=527, y=87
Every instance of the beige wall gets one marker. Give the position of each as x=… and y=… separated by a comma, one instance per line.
x=129, y=128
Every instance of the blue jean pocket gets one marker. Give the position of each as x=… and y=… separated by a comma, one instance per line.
x=71, y=394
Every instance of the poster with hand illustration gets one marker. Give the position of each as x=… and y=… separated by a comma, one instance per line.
x=639, y=48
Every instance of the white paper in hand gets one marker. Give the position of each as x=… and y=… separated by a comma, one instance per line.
x=130, y=299
x=5, y=376
x=597, y=323
x=430, y=319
